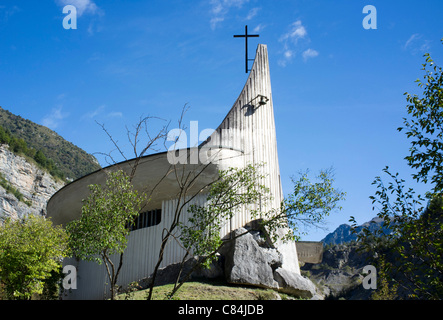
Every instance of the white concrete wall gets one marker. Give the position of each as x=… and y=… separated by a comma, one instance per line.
x=139, y=259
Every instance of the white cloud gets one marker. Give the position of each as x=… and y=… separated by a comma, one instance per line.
x=101, y=110
x=259, y=28
x=416, y=44
x=115, y=114
x=295, y=38
x=282, y=62
x=82, y=6
x=288, y=54
x=411, y=39
x=309, y=53
x=94, y=113
x=297, y=31
x=220, y=8
x=86, y=7
x=252, y=13
x=54, y=119
x=214, y=21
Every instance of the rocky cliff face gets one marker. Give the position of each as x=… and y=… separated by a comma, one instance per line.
x=34, y=184
x=340, y=274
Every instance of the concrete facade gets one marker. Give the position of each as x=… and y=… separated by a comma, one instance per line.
x=246, y=136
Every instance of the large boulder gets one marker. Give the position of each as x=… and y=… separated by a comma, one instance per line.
x=249, y=260
x=294, y=284
x=246, y=263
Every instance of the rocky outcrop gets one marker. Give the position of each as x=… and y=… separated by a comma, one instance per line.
x=246, y=263
x=34, y=184
x=294, y=284
x=340, y=274
x=251, y=261
x=247, y=259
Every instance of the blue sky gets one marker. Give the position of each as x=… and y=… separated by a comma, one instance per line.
x=337, y=87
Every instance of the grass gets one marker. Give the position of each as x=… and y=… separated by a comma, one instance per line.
x=206, y=291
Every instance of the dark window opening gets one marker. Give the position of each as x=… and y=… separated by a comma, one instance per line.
x=147, y=219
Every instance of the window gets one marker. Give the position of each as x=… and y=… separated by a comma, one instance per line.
x=147, y=219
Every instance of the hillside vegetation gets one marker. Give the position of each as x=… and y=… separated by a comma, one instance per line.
x=60, y=157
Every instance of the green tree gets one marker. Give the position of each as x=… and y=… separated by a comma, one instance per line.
x=200, y=235
x=309, y=203
x=4, y=136
x=412, y=250
x=386, y=290
x=425, y=126
x=104, y=224
x=19, y=145
x=40, y=158
x=409, y=241
x=31, y=251
x=234, y=188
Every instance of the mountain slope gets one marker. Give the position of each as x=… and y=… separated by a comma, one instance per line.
x=72, y=161
x=343, y=232
x=27, y=182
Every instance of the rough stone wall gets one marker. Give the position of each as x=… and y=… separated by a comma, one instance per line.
x=35, y=184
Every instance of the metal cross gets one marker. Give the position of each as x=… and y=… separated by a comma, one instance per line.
x=246, y=36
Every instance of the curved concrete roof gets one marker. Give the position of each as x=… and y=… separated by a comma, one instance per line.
x=155, y=175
